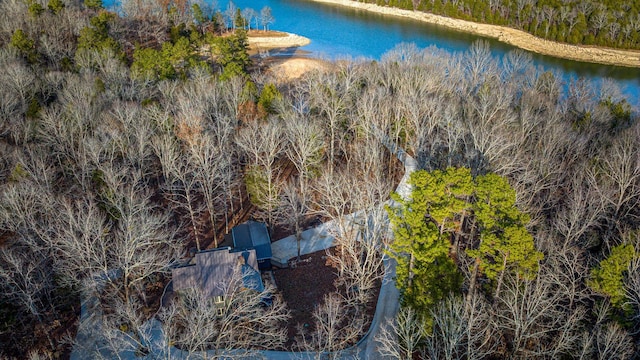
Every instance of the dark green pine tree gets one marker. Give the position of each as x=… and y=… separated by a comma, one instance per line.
x=428, y=226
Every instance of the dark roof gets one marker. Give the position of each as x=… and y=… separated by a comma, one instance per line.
x=213, y=271
x=252, y=235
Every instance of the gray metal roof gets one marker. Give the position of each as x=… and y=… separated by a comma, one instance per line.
x=213, y=271
x=252, y=235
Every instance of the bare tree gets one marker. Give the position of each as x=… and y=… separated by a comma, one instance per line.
x=244, y=323
x=529, y=312
x=26, y=279
x=619, y=183
x=184, y=190
x=359, y=262
x=28, y=212
x=19, y=90
x=143, y=244
x=330, y=100
x=166, y=149
x=266, y=18
x=230, y=14
x=583, y=212
x=334, y=328
x=250, y=15
x=478, y=62
x=454, y=331
x=489, y=117
x=607, y=340
x=335, y=195
x=211, y=162
x=82, y=240
x=127, y=331
x=304, y=148
x=404, y=336
x=132, y=139
x=362, y=240
x=568, y=271
x=599, y=20
x=293, y=209
x=263, y=144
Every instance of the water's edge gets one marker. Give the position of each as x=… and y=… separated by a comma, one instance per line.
x=507, y=35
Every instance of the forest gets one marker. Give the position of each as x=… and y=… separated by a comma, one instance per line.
x=612, y=23
x=128, y=139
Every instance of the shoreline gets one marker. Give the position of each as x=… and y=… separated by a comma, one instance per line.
x=281, y=40
x=280, y=54
x=513, y=37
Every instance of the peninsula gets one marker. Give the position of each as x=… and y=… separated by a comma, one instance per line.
x=264, y=40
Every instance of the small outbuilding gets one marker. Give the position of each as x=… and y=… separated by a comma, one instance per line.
x=253, y=235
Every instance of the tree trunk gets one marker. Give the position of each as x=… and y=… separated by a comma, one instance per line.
x=411, y=265
x=474, y=275
x=501, y=278
x=455, y=249
x=194, y=220
x=472, y=286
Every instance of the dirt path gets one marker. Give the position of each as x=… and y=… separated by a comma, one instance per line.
x=509, y=36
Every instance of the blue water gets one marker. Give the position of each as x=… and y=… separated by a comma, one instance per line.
x=341, y=32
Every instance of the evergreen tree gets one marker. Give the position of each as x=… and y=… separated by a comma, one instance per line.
x=505, y=243
x=24, y=45
x=232, y=54
x=94, y=4
x=174, y=59
x=35, y=9
x=55, y=6
x=608, y=277
x=268, y=96
x=423, y=228
x=428, y=226
x=96, y=36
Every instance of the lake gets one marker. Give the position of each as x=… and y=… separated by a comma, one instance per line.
x=340, y=32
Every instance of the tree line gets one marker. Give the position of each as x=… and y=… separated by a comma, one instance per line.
x=613, y=24
x=110, y=174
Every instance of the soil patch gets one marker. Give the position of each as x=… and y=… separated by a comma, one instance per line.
x=266, y=33
x=21, y=332
x=303, y=287
x=287, y=69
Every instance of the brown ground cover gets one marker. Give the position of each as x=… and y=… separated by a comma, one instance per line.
x=304, y=287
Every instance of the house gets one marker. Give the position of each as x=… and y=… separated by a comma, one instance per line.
x=212, y=272
x=253, y=235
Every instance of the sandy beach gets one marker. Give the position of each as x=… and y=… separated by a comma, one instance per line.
x=509, y=36
x=286, y=67
x=266, y=40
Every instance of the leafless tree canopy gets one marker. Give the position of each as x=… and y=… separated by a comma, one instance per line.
x=109, y=178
